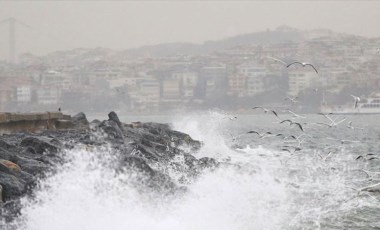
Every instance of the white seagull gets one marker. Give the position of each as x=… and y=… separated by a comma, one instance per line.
x=349, y=125
x=294, y=115
x=303, y=65
x=293, y=100
x=333, y=122
x=357, y=99
x=276, y=59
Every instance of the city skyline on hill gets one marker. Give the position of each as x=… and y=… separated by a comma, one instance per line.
x=53, y=26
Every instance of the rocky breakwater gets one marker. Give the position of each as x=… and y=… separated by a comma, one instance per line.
x=148, y=149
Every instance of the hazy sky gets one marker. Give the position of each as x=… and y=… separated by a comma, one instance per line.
x=58, y=25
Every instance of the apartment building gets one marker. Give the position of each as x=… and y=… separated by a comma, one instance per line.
x=301, y=79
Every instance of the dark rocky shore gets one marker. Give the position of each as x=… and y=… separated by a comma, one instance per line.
x=27, y=157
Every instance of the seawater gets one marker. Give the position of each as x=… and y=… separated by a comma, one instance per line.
x=314, y=188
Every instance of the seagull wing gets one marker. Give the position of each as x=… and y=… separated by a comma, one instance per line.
x=287, y=120
x=320, y=123
x=298, y=124
x=296, y=62
x=357, y=158
x=355, y=97
x=312, y=67
x=276, y=59
x=340, y=121
x=331, y=120
x=274, y=112
x=254, y=132
x=292, y=113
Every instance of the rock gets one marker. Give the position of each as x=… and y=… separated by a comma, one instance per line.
x=112, y=130
x=30, y=150
x=5, y=154
x=31, y=166
x=190, y=161
x=136, y=124
x=113, y=117
x=12, y=186
x=1, y=194
x=207, y=162
x=143, y=151
x=147, y=177
x=80, y=120
x=137, y=164
x=26, y=157
x=29, y=179
x=10, y=166
x=39, y=145
x=5, y=145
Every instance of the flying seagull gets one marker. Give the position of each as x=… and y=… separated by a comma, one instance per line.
x=293, y=123
x=266, y=110
x=261, y=135
x=342, y=141
x=352, y=127
x=303, y=65
x=276, y=59
x=286, y=148
x=298, y=138
x=294, y=115
x=293, y=100
x=333, y=122
x=356, y=99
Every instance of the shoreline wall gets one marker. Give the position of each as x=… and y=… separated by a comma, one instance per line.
x=33, y=122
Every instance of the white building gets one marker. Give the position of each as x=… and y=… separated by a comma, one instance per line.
x=301, y=79
x=57, y=79
x=24, y=94
x=215, y=79
x=48, y=95
x=255, y=78
x=147, y=94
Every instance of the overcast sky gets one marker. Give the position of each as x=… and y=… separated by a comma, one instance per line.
x=126, y=24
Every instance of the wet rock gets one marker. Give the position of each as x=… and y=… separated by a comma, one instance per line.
x=136, y=164
x=31, y=166
x=207, y=162
x=30, y=150
x=1, y=194
x=27, y=157
x=146, y=176
x=80, y=120
x=9, y=167
x=145, y=152
x=12, y=186
x=5, y=154
x=190, y=161
x=39, y=145
x=5, y=145
x=113, y=117
x=29, y=179
x=112, y=130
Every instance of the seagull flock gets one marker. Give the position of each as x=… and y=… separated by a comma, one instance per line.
x=292, y=122
x=293, y=143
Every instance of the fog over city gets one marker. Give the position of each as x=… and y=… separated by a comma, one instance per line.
x=121, y=25
x=183, y=115
x=159, y=55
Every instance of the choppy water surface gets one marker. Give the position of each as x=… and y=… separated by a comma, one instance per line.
x=316, y=187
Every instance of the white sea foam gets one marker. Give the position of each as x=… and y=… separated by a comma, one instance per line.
x=269, y=190
x=86, y=194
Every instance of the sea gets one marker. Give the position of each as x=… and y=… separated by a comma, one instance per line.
x=320, y=177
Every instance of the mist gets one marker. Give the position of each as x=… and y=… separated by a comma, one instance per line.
x=183, y=55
